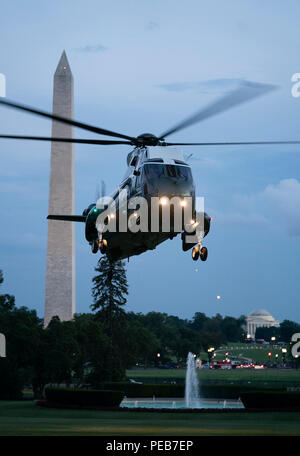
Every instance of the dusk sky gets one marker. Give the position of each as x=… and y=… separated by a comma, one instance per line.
x=143, y=66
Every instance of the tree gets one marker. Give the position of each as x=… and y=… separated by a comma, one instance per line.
x=287, y=329
x=91, y=363
x=198, y=321
x=141, y=345
x=232, y=329
x=7, y=302
x=54, y=355
x=109, y=292
x=189, y=341
x=266, y=333
x=22, y=328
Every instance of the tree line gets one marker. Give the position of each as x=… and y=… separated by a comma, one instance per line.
x=99, y=346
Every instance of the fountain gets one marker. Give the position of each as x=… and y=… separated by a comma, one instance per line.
x=191, y=397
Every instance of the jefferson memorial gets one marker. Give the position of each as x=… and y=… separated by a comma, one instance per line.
x=260, y=318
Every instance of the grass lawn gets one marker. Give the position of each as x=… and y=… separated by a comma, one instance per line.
x=284, y=376
x=25, y=418
x=258, y=353
x=239, y=351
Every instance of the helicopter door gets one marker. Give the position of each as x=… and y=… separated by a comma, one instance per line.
x=134, y=163
x=139, y=181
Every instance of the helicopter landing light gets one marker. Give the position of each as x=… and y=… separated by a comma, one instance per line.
x=163, y=201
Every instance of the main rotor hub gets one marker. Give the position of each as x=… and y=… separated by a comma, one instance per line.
x=147, y=139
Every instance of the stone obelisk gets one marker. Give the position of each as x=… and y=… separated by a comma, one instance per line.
x=60, y=273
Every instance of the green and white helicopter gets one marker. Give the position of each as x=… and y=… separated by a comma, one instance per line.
x=156, y=169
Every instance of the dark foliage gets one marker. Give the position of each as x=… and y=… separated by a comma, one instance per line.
x=146, y=389
x=84, y=397
x=96, y=348
x=271, y=400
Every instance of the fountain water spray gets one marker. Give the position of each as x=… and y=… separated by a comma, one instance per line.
x=192, y=399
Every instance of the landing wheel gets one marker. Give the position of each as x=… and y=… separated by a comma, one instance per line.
x=195, y=253
x=103, y=246
x=95, y=246
x=203, y=254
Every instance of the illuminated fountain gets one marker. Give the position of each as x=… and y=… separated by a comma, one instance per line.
x=191, y=396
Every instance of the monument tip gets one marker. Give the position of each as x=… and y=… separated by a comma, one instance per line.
x=63, y=67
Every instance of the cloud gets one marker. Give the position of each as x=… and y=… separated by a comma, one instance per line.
x=92, y=48
x=212, y=85
x=283, y=203
x=277, y=206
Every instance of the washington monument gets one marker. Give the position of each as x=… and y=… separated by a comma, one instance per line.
x=60, y=273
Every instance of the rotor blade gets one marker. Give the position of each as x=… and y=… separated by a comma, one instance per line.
x=241, y=143
x=67, y=140
x=67, y=218
x=103, y=189
x=247, y=92
x=65, y=120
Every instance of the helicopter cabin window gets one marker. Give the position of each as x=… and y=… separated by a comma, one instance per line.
x=139, y=178
x=134, y=161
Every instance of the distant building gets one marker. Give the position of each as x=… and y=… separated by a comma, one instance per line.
x=260, y=318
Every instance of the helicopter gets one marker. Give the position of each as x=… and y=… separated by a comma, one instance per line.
x=156, y=169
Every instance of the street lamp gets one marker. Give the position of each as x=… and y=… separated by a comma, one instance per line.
x=269, y=355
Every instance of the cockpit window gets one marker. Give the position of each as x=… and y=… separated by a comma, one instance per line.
x=184, y=172
x=171, y=170
x=154, y=171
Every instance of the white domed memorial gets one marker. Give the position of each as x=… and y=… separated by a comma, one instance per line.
x=260, y=318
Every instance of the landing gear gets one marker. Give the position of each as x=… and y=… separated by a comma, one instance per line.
x=203, y=254
x=99, y=245
x=195, y=253
x=103, y=246
x=199, y=251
